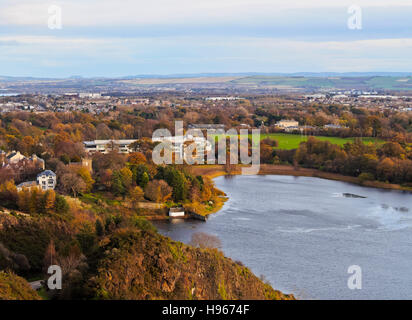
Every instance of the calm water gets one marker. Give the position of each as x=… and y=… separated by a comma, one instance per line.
x=303, y=233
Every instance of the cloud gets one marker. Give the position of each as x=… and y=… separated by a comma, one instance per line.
x=166, y=55
x=115, y=38
x=171, y=12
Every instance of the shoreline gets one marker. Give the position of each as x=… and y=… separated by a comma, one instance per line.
x=214, y=171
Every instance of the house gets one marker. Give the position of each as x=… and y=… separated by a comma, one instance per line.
x=176, y=212
x=47, y=180
x=39, y=162
x=14, y=157
x=287, y=124
x=104, y=146
x=17, y=159
x=29, y=185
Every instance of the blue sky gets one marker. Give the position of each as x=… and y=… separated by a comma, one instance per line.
x=124, y=37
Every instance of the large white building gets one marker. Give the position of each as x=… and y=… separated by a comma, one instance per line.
x=47, y=180
x=104, y=146
x=180, y=143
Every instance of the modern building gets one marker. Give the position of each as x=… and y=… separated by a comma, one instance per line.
x=180, y=143
x=47, y=180
x=105, y=146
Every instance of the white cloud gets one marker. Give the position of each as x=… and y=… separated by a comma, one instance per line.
x=164, y=12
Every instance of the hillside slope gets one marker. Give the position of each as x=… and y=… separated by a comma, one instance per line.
x=146, y=265
x=13, y=287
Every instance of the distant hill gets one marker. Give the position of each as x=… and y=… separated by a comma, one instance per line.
x=232, y=83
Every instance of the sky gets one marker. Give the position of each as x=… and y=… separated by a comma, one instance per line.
x=115, y=38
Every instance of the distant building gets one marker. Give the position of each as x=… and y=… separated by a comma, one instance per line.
x=47, y=180
x=104, y=146
x=29, y=185
x=206, y=126
x=332, y=126
x=39, y=161
x=222, y=98
x=287, y=124
x=176, y=212
x=90, y=95
x=14, y=157
x=85, y=163
x=180, y=143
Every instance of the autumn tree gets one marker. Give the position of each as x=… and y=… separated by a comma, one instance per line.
x=158, y=191
x=136, y=195
x=85, y=175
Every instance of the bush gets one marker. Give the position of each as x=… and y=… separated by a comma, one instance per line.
x=366, y=176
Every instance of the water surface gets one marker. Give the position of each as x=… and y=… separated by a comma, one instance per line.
x=303, y=233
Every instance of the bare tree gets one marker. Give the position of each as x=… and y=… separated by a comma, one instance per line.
x=205, y=240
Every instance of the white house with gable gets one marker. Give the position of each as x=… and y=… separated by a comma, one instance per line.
x=47, y=180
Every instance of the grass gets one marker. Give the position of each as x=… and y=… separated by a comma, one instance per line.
x=289, y=141
x=292, y=141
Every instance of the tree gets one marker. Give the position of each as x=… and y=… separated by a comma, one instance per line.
x=204, y=240
x=84, y=173
x=50, y=256
x=137, y=158
x=99, y=228
x=385, y=169
x=126, y=176
x=61, y=204
x=24, y=200
x=144, y=180
x=158, y=191
x=176, y=180
x=49, y=200
x=136, y=195
x=141, y=175
x=117, y=185
x=72, y=183
x=8, y=194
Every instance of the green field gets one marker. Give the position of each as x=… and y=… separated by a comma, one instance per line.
x=291, y=141
x=341, y=82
